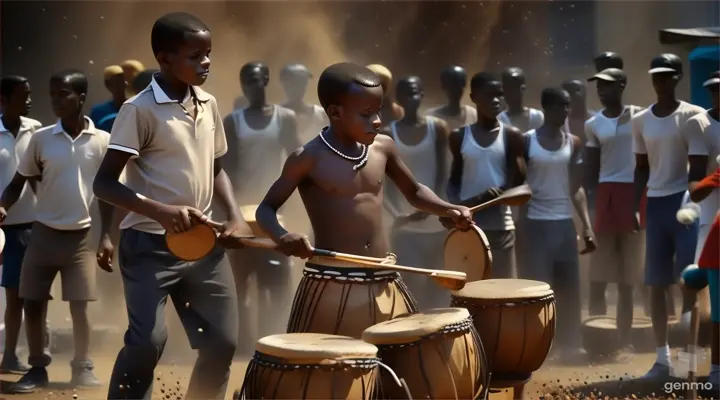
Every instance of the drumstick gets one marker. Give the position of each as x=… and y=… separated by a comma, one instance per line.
x=692, y=350
x=516, y=196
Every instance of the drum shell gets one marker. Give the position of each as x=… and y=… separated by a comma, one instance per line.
x=435, y=367
x=280, y=381
x=348, y=306
x=516, y=334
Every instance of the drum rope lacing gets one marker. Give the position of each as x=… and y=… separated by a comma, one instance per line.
x=465, y=302
x=345, y=363
x=462, y=326
x=354, y=276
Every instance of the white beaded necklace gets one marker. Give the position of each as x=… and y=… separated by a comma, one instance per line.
x=362, y=158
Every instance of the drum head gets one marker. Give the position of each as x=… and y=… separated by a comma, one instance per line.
x=314, y=348
x=412, y=327
x=192, y=245
x=2, y=240
x=506, y=289
x=248, y=213
x=468, y=252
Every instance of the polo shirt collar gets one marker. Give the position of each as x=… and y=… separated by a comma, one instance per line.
x=24, y=125
x=58, y=128
x=162, y=98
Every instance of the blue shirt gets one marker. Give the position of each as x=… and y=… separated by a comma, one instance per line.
x=103, y=115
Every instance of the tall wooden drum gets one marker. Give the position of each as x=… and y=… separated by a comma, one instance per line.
x=515, y=319
x=310, y=366
x=437, y=352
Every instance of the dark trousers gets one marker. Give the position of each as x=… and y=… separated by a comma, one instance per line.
x=204, y=296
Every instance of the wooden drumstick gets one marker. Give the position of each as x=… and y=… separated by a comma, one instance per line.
x=516, y=196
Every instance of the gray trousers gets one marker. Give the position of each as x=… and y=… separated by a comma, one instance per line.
x=502, y=247
x=422, y=250
x=551, y=256
x=204, y=296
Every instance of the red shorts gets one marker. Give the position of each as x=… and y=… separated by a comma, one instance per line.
x=710, y=255
x=614, y=208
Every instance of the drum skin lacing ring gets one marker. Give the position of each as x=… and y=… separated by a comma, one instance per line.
x=462, y=326
x=469, y=303
x=351, y=276
x=279, y=363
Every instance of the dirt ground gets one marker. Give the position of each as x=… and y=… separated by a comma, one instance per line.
x=608, y=380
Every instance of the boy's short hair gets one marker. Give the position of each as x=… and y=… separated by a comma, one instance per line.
x=337, y=79
x=9, y=83
x=481, y=79
x=553, y=95
x=142, y=80
x=168, y=32
x=76, y=79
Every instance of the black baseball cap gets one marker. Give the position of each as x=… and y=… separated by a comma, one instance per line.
x=666, y=63
x=610, y=75
x=609, y=59
x=714, y=79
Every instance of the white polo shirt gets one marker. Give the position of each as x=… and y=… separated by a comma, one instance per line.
x=172, y=154
x=67, y=168
x=703, y=135
x=663, y=141
x=613, y=136
x=12, y=149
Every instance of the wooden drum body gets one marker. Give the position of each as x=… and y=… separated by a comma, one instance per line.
x=515, y=319
x=310, y=366
x=437, y=352
x=346, y=301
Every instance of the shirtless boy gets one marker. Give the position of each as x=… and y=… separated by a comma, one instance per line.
x=340, y=176
x=416, y=238
x=487, y=160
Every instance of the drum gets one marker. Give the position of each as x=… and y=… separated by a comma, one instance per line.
x=437, y=352
x=469, y=252
x=600, y=335
x=341, y=298
x=515, y=319
x=310, y=366
x=248, y=213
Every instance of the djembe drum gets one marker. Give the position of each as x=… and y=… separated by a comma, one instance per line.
x=468, y=252
x=437, y=352
x=515, y=319
x=310, y=366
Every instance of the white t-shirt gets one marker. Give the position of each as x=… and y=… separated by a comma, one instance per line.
x=666, y=147
x=613, y=136
x=703, y=136
x=535, y=120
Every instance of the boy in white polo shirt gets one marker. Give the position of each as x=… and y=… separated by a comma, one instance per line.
x=610, y=165
x=168, y=139
x=63, y=158
x=661, y=166
x=15, y=132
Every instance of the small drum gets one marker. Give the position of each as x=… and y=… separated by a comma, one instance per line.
x=437, y=352
x=600, y=335
x=516, y=322
x=248, y=213
x=469, y=252
x=338, y=300
x=310, y=366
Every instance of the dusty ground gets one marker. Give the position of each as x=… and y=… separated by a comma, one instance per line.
x=602, y=380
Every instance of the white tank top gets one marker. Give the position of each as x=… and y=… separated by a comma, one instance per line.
x=310, y=126
x=259, y=158
x=535, y=119
x=549, y=179
x=484, y=168
x=421, y=160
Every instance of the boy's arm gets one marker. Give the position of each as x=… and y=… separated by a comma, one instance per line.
x=456, y=170
x=29, y=169
x=289, y=134
x=442, y=138
x=577, y=192
x=295, y=171
x=516, y=166
x=592, y=156
x=642, y=164
x=698, y=153
x=418, y=195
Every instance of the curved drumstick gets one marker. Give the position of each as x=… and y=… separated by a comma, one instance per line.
x=452, y=280
x=516, y=196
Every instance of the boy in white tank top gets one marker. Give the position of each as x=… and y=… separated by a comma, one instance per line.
x=661, y=166
x=415, y=237
x=609, y=166
x=554, y=157
x=453, y=80
x=311, y=118
x=487, y=160
x=517, y=115
x=259, y=137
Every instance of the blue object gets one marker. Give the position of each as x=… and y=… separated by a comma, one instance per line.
x=713, y=276
x=695, y=278
x=704, y=60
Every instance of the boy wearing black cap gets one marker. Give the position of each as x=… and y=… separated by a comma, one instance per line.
x=609, y=166
x=660, y=149
x=608, y=59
